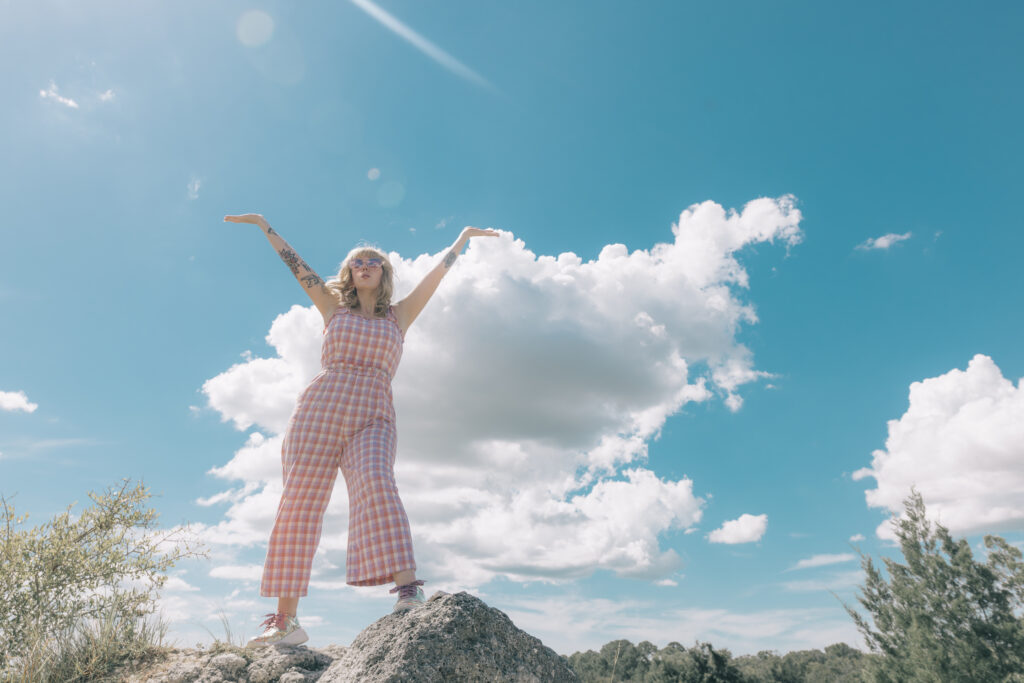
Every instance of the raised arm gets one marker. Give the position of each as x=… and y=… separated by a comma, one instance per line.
x=409, y=308
x=311, y=283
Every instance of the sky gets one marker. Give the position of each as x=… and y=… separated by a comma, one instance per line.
x=758, y=274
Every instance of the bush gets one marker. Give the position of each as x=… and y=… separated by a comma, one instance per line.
x=943, y=616
x=76, y=594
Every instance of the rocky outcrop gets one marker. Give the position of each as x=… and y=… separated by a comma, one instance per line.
x=451, y=638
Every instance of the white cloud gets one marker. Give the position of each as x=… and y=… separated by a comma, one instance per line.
x=16, y=400
x=193, y=188
x=51, y=93
x=883, y=242
x=179, y=585
x=107, y=95
x=251, y=572
x=527, y=395
x=961, y=444
x=745, y=529
x=856, y=538
x=822, y=560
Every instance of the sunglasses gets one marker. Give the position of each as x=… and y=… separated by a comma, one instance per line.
x=369, y=263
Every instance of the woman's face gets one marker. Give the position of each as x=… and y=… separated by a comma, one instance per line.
x=366, y=272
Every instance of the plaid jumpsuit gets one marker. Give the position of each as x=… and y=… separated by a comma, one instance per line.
x=344, y=418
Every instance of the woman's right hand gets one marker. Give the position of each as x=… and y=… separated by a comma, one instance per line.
x=254, y=218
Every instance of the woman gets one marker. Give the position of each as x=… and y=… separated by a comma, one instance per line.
x=345, y=419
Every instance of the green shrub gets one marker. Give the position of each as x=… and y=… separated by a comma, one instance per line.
x=943, y=616
x=77, y=594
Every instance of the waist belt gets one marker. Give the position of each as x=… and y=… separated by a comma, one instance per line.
x=353, y=369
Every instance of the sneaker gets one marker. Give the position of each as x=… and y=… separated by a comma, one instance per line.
x=409, y=596
x=281, y=630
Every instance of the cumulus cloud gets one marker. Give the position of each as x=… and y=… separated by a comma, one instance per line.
x=745, y=529
x=961, y=444
x=823, y=560
x=16, y=400
x=527, y=395
x=883, y=242
x=856, y=538
x=51, y=94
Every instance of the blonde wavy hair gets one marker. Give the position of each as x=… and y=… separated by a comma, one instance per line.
x=344, y=289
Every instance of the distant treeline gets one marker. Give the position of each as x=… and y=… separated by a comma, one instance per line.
x=621, y=660
x=942, y=616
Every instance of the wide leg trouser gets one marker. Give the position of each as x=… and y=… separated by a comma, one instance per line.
x=379, y=540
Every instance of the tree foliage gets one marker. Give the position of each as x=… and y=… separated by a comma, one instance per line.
x=943, y=616
x=106, y=565
x=620, y=660
x=839, y=663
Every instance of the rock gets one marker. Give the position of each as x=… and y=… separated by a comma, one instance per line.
x=229, y=664
x=266, y=665
x=181, y=671
x=273, y=663
x=451, y=638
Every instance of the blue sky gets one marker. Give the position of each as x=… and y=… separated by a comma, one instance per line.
x=758, y=275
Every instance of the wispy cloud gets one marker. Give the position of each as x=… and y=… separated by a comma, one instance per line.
x=837, y=582
x=16, y=400
x=883, y=242
x=107, y=96
x=51, y=93
x=24, y=448
x=422, y=44
x=823, y=560
x=49, y=444
x=193, y=188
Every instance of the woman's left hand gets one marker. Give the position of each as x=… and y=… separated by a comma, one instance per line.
x=470, y=231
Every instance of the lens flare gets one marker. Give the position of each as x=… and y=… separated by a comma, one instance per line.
x=255, y=28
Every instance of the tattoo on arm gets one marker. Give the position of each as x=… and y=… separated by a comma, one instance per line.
x=312, y=281
x=270, y=231
x=449, y=259
x=291, y=258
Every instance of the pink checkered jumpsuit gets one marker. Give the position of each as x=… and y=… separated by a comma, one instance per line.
x=345, y=418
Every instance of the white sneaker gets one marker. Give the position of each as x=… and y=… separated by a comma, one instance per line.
x=281, y=630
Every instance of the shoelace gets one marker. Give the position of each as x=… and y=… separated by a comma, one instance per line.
x=408, y=590
x=278, y=620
